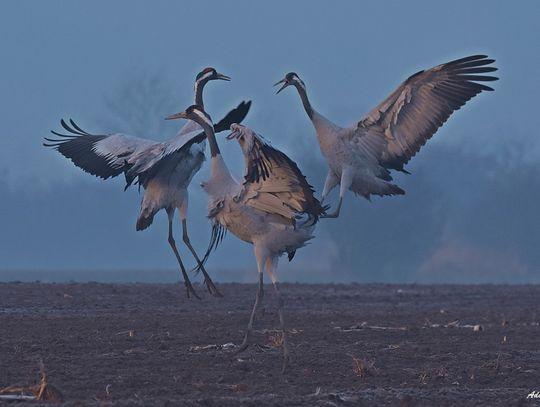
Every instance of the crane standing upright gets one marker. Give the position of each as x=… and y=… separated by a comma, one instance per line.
x=164, y=169
x=361, y=156
x=274, y=208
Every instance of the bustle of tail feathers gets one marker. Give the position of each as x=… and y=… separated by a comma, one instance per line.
x=390, y=190
x=144, y=221
x=218, y=234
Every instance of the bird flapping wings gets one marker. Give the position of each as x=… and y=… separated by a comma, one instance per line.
x=102, y=155
x=410, y=116
x=273, y=183
x=109, y=155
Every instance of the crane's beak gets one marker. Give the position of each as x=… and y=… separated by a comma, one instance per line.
x=181, y=115
x=235, y=130
x=284, y=82
x=222, y=77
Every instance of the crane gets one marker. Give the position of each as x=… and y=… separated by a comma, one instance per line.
x=163, y=169
x=274, y=208
x=361, y=156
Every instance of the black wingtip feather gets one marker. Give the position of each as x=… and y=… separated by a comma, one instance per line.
x=65, y=136
x=478, y=69
x=482, y=78
x=467, y=59
x=78, y=128
x=236, y=115
x=78, y=148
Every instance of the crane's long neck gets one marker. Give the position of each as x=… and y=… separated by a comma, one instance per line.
x=199, y=86
x=211, y=136
x=221, y=179
x=305, y=101
x=325, y=129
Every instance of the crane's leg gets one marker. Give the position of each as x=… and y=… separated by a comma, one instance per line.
x=271, y=267
x=172, y=243
x=212, y=289
x=329, y=184
x=344, y=185
x=260, y=294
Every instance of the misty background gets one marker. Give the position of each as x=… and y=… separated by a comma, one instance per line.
x=471, y=210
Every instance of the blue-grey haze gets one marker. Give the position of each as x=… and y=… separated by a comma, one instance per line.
x=471, y=209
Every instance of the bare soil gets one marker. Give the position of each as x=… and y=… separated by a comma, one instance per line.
x=351, y=345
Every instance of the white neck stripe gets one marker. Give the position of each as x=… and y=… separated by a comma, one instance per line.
x=205, y=76
x=203, y=117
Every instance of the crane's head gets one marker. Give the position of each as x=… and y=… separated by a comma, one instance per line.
x=195, y=113
x=246, y=137
x=290, y=79
x=237, y=131
x=210, y=74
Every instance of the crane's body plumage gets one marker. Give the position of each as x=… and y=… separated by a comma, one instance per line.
x=168, y=188
x=269, y=207
x=361, y=156
x=266, y=230
x=351, y=156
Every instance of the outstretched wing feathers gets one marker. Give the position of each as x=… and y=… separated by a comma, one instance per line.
x=273, y=183
x=101, y=155
x=108, y=156
x=420, y=105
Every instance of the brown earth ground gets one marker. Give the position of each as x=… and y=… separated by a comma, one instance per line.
x=352, y=345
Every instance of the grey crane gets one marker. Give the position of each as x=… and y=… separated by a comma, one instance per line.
x=361, y=156
x=163, y=169
x=273, y=208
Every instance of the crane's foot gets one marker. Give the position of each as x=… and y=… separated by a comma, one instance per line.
x=244, y=345
x=210, y=286
x=190, y=290
x=334, y=214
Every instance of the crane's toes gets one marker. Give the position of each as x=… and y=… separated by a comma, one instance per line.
x=244, y=345
x=212, y=289
x=216, y=293
x=191, y=291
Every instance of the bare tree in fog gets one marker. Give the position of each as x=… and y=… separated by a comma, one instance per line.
x=139, y=104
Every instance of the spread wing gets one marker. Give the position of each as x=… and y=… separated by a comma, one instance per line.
x=104, y=156
x=108, y=156
x=179, y=146
x=419, y=106
x=273, y=183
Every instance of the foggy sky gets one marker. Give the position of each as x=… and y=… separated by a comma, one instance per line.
x=470, y=213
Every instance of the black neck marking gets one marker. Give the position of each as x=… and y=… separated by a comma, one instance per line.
x=305, y=101
x=211, y=136
x=199, y=87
